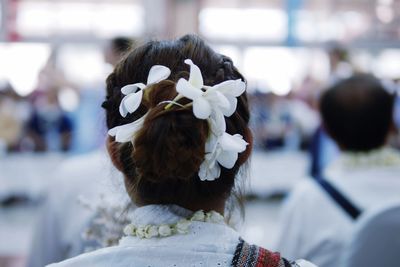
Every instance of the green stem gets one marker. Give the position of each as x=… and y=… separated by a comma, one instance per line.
x=175, y=99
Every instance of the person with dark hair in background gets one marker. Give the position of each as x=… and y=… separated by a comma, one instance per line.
x=323, y=149
x=319, y=214
x=178, y=119
x=116, y=48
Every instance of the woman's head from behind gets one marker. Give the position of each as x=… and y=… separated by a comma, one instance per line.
x=161, y=163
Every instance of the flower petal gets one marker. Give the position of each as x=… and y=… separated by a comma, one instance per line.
x=214, y=173
x=201, y=108
x=132, y=101
x=232, y=143
x=207, y=173
x=132, y=88
x=228, y=111
x=113, y=131
x=211, y=143
x=125, y=133
x=187, y=90
x=122, y=108
x=217, y=122
x=158, y=73
x=195, y=77
x=227, y=159
x=231, y=87
x=217, y=99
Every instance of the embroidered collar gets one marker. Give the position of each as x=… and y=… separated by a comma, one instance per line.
x=166, y=220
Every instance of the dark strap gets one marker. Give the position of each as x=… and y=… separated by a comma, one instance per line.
x=253, y=256
x=353, y=211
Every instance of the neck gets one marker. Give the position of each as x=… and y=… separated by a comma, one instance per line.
x=217, y=205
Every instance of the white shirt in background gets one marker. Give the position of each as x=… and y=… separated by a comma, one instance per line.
x=316, y=228
x=64, y=219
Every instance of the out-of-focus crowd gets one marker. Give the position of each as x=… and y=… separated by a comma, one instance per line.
x=35, y=122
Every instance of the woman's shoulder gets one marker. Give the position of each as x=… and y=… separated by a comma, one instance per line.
x=99, y=258
x=247, y=255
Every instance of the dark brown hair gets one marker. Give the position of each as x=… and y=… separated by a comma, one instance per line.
x=162, y=165
x=358, y=113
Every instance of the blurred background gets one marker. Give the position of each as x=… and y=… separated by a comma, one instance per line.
x=54, y=58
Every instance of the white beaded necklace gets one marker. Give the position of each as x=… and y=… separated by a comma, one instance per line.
x=181, y=227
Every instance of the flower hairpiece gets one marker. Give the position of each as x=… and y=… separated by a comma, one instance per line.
x=211, y=103
x=133, y=98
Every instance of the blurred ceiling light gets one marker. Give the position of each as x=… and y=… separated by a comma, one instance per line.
x=387, y=64
x=272, y=69
x=44, y=18
x=20, y=64
x=385, y=2
x=384, y=13
x=82, y=64
x=248, y=23
x=69, y=99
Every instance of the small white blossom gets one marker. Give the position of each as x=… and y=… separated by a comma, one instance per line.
x=225, y=151
x=204, y=102
x=131, y=102
x=165, y=230
x=151, y=231
x=130, y=229
x=182, y=226
x=198, y=216
x=214, y=217
x=141, y=232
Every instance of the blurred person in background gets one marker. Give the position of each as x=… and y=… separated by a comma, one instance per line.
x=271, y=120
x=12, y=118
x=81, y=197
x=181, y=200
x=280, y=122
x=319, y=214
x=88, y=135
x=323, y=149
x=49, y=127
x=339, y=63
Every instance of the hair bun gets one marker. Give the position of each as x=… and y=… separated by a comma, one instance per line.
x=171, y=143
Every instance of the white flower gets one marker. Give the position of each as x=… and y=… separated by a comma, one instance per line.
x=125, y=133
x=214, y=217
x=231, y=89
x=164, y=230
x=198, y=216
x=182, y=226
x=130, y=229
x=230, y=146
x=132, y=99
x=222, y=149
x=203, y=101
x=209, y=170
x=141, y=231
x=151, y=231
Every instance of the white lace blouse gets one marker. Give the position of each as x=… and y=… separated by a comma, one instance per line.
x=206, y=244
